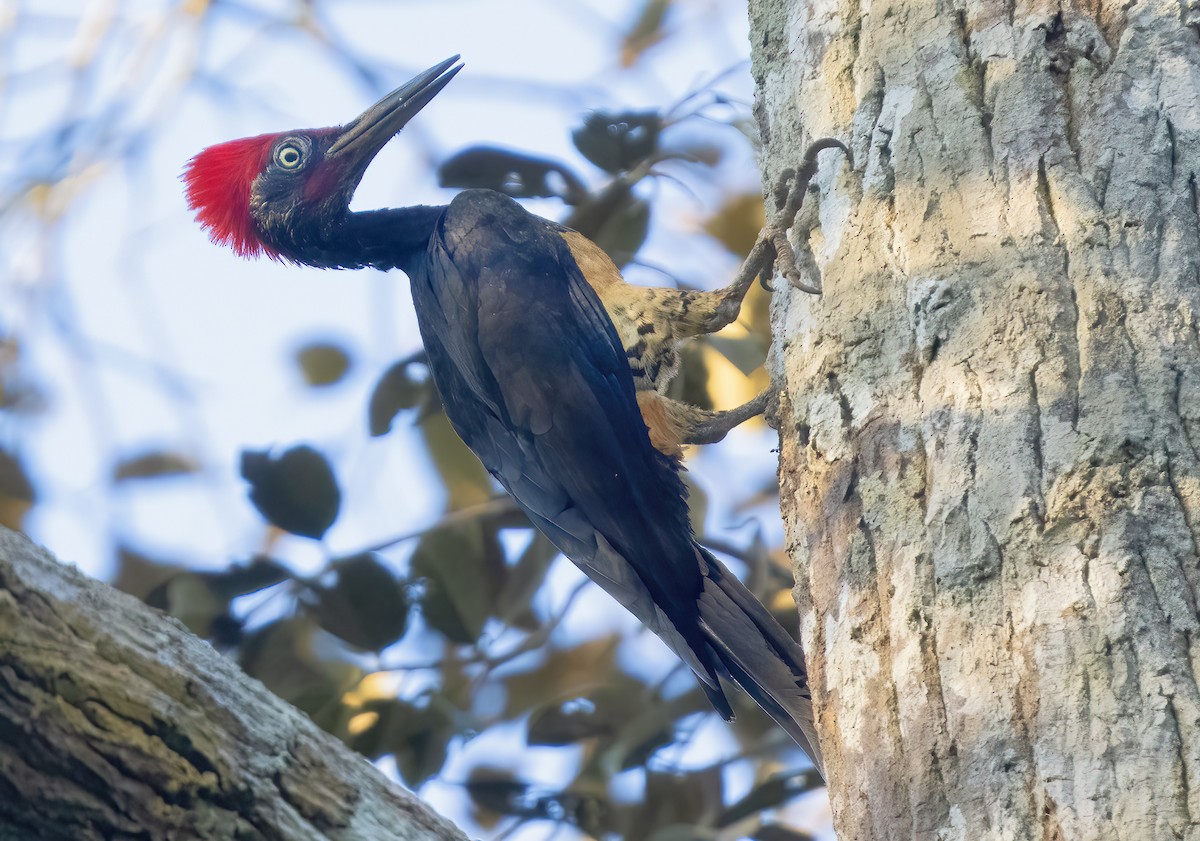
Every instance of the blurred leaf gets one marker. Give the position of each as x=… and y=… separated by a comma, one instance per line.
x=139, y=575
x=461, y=565
x=16, y=491
x=756, y=313
x=778, y=832
x=566, y=722
x=597, y=712
x=20, y=395
x=154, y=465
x=737, y=222
x=189, y=599
x=395, y=392
x=417, y=737
x=772, y=792
x=651, y=725
x=296, y=491
x=698, y=151
x=421, y=752
x=198, y=598
x=746, y=352
x=497, y=791
x=683, y=832
x=624, y=232
x=522, y=581
x=646, y=31
x=515, y=174
x=697, y=504
x=366, y=606
x=618, y=141
x=466, y=481
x=615, y=219
x=691, y=383
x=565, y=672
x=672, y=800
x=282, y=656
x=322, y=363
x=261, y=572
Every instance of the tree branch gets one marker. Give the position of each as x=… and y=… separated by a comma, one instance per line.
x=116, y=722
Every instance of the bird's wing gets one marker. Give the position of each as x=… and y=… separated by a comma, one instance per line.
x=536, y=382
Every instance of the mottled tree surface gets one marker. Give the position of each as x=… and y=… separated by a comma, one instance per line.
x=116, y=722
x=992, y=415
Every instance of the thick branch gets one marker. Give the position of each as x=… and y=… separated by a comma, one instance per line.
x=116, y=722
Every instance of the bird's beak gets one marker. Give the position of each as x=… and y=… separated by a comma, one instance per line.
x=363, y=137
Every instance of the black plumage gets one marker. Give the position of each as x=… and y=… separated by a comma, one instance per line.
x=534, y=378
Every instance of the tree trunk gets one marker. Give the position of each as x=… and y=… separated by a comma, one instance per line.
x=992, y=414
x=115, y=722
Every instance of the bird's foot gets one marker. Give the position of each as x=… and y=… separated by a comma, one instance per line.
x=776, y=251
x=709, y=427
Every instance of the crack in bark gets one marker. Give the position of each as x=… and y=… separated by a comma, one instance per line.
x=1185, y=787
x=1035, y=441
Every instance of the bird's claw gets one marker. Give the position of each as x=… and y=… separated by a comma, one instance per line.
x=789, y=192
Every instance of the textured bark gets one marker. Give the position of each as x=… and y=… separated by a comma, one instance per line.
x=115, y=722
x=992, y=415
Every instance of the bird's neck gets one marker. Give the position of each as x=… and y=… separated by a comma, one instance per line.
x=380, y=239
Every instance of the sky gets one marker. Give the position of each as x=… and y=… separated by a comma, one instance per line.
x=142, y=335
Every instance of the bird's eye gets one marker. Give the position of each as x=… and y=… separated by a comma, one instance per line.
x=289, y=155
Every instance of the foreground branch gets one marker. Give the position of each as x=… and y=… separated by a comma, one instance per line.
x=116, y=722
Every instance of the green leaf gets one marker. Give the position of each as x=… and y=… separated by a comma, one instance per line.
x=779, y=832
x=672, y=801
x=647, y=30
x=516, y=174
x=466, y=481
x=772, y=792
x=261, y=572
x=497, y=791
x=417, y=737
x=189, y=598
x=282, y=656
x=697, y=504
x=16, y=491
x=322, y=363
x=459, y=565
x=737, y=222
x=421, y=751
x=396, y=391
x=296, y=491
x=522, y=581
x=154, y=465
x=366, y=606
x=618, y=141
x=564, y=673
x=747, y=353
x=565, y=722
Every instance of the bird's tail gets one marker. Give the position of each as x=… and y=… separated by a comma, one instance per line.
x=759, y=654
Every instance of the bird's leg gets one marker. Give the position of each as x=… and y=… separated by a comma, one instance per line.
x=672, y=424
x=709, y=427
x=700, y=313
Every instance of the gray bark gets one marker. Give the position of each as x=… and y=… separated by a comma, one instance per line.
x=116, y=722
x=991, y=418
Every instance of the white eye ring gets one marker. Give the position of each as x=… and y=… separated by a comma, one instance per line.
x=289, y=156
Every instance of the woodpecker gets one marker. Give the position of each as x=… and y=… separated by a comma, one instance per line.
x=551, y=368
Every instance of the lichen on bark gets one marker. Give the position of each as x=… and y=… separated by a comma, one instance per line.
x=116, y=722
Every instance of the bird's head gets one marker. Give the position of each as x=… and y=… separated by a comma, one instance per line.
x=284, y=194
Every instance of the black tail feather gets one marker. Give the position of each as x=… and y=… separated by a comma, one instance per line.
x=758, y=653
